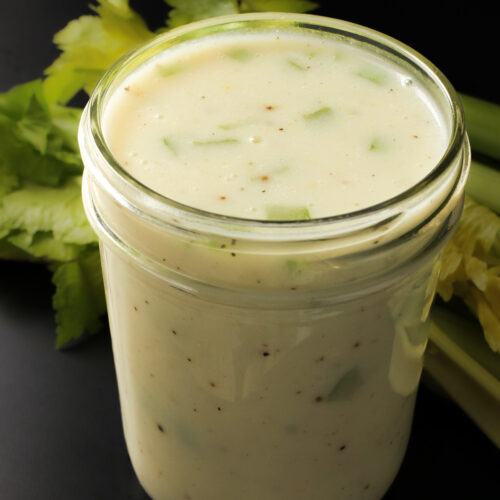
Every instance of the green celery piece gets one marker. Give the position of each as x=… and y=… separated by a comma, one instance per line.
x=287, y=213
x=169, y=145
x=240, y=54
x=79, y=299
x=346, y=386
x=372, y=74
x=215, y=142
x=277, y=6
x=167, y=71
x=319, y=114
x=483, y=185
x=296, y=65
x=296, y=267
x=377, y=144
x=188, y=11
x=482, y=120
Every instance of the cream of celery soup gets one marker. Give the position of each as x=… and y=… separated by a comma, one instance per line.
x=282, y=126
x=259, y=360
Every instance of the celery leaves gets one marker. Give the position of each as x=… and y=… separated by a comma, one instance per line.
x=41, y=212
x=89, y=45
x=187, y=11
x=79, y=299
x=277, y=6
x=471, y=268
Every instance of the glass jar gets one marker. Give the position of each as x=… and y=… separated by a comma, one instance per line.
x=269, y=360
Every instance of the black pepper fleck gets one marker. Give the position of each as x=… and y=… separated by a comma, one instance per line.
x=160, y=428
x=342, y=448
x=318, y=399
x=265, y=353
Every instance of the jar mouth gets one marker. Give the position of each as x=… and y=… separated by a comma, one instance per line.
x=148, y=203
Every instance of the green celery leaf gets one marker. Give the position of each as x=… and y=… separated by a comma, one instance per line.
x=15, y=102
x=187, y=11
x=8, y=180
x=47, y=222
x=90, y=45
x=277, y=6
x=37, y=141
x=35, y=125
x=79, y=299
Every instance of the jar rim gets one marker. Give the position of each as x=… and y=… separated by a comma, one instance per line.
x=148, y=203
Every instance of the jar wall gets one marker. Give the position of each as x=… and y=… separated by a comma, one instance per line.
x=268, y=404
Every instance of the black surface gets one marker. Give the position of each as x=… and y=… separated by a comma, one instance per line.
x=60, y=430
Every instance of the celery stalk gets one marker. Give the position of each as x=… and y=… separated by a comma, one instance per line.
x=459, y=360
x=482, y=120
x=484, y=185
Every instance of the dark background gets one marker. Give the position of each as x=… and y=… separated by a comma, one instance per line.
x=60, y=430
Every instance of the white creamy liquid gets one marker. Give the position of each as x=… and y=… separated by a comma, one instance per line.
x=267, y=126
x=235, y=399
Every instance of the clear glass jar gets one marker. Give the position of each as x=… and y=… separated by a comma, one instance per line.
x=269, y=360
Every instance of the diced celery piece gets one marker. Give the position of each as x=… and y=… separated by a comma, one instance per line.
x=346, y=386
x=372, y=74
x=319, y=114
x=296, y=65
x=377, y=144
x=240, y=54
x=169, y=145
x=167, y=71
x=288, y=213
